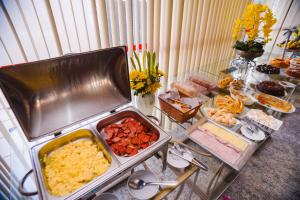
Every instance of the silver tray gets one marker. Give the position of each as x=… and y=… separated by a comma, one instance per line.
x=119, y=165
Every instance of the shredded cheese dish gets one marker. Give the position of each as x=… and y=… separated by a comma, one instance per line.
x=73, y=165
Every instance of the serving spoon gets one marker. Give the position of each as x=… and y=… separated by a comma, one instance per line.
x=138, y=184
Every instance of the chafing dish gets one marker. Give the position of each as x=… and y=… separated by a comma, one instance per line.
x=58, y=96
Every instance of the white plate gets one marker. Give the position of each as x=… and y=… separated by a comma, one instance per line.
x=146, y=192
x=287, y=84
x=275, y=109
x=176, y=161
x=257, y=136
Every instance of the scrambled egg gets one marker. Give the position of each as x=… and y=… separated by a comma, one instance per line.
x=73, y=165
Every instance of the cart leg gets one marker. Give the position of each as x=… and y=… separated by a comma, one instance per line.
x=164, y=152
x=194, y=183
x=179, y=191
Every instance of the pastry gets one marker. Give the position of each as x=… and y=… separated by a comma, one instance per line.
x=221, y=116
x=234, y=106
x=224, y=82
x=294, y=69
x=237, y=84
x=238, y=94
x=280, y=63
x=267, y=69
x=270, y=87
x=274, y=102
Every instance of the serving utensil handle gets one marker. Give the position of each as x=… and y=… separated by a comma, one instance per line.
x=164, y=183
x=21, y=185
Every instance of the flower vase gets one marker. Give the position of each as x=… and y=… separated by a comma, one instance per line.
x=145, y=103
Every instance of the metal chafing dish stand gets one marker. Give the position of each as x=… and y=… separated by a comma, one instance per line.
x=58, y=96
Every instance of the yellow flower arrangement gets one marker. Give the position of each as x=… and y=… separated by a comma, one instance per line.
x=146, y=78
x=257, y=20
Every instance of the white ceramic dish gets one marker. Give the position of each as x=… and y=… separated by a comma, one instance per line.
x=287, y=84
x=293, y=109
x=256, y=136
x=148, y=191
x=176, y=161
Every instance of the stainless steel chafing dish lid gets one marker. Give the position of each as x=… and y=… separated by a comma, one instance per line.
x=50, y=95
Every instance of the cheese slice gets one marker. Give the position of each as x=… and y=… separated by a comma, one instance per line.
x=226, y=136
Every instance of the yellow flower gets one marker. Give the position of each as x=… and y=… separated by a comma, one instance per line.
x=133, y=74
x=253, y=16
x=139, y=85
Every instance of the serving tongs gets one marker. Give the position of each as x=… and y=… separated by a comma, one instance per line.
x=176, y=150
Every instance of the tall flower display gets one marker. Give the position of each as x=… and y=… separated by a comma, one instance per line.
x=145, y=76
x=255, y=25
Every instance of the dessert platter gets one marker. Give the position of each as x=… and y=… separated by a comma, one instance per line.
x=267, y=69
x=272, y=88
x=294, y=69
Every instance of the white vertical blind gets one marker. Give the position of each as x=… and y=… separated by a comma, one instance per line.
x=187, y=35
x=121, y=20
x=129, y=27
x=150, y=17
x=113, y=24
x=143, y=12
x=102, y=20
x=156, y=25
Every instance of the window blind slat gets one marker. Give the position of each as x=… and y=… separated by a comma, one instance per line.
x=136, y=23
x=144, y=23
x=204, y=23
x=196, y=37
x=114, y=29
x=192, y=26
x=128, y=6
x=103, y=25
x=175, y=39
x=150, y=25
x=121, y=19
x=156, y=25
x=10, y=37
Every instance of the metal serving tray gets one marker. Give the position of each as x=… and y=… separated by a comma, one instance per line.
x=119, y=165
x=51, y=97
x=244, y=156
x=40, y=150
x=130, y=112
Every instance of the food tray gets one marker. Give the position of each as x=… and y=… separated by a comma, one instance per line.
x=176, y=114
x=116, y=119
x=293, y=109
x=38, y=152
x=244, y=156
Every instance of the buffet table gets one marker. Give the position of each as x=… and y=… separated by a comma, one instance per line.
x=207, y=185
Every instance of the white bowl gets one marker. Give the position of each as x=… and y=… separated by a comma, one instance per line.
x=146, y=192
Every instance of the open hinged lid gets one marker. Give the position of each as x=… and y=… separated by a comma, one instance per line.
x=50, y=95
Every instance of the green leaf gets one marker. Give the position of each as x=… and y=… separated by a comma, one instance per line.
x=149, y=63
x=153, y=60
x=144, y=59
x=138, y=61
x=132, y=62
